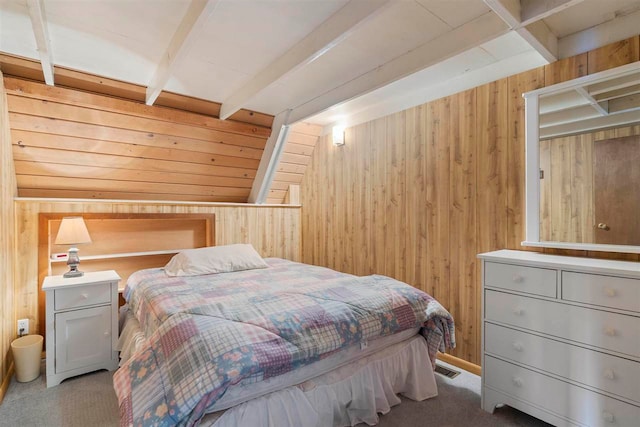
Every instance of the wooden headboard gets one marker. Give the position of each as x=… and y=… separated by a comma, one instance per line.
x=122, y=242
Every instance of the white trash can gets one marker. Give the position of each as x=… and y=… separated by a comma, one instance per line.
x=27, y=353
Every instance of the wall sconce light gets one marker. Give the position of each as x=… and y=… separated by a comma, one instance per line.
x=338, y=135
x=73, y=231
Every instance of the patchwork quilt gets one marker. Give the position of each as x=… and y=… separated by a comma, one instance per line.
x=207, y=333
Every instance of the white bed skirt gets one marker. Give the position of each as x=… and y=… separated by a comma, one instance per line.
x=352, y=394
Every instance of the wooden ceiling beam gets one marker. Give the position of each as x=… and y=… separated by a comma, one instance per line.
x=486, y=27
x=337, y=28
x=525, y=17
x=627, y=83
x=41, y=33
x=605, y=96
x=270, y=158
x=625, y=103
x=188, y=31
x=540, y=37
x=594, y=124
x=620, y=28
x=569, y=115
x=535, y=10
x=599, y=107
x=507, y=10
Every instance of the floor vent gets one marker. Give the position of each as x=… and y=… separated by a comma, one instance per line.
x=449, y=373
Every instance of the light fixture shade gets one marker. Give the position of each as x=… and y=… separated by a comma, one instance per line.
x=73, y=231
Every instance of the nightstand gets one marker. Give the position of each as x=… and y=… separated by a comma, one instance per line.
x=82, y=324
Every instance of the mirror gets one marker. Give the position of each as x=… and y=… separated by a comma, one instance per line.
x=583, y=163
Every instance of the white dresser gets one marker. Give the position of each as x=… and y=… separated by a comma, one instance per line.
x=561, y=338
x=82, y=328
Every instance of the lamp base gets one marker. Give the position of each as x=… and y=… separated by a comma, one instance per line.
x=73, y=273
x=73, y=262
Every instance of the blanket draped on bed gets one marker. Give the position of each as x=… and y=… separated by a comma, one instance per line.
x=207, y=333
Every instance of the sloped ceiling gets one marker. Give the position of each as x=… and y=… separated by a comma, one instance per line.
x=322, y=61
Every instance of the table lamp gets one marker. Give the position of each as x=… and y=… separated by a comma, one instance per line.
x=73, y=231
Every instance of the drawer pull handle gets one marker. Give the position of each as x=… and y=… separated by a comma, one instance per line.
x=84, y=296
x=518, y=311
x=517, y=346
x=517, y=381
x=610, y=292
x=609, y=374
x=607, y=416
x=518, y=278
x=610, y=331
x=107, y=333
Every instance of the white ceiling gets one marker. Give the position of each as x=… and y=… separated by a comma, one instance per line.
x=317, y=60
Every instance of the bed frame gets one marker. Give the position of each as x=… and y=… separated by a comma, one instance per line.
x=121, y=242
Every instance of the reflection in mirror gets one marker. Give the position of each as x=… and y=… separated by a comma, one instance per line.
x=588, y=152
x=590, y=187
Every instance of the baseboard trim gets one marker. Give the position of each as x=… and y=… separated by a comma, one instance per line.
x=459, y=363
x=5, y=383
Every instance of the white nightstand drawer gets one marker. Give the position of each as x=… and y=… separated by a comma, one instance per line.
x=612, y=331
x=609, y=373
x=576, y=403
x=82, y=296
x=532, y=280
x=607, y=291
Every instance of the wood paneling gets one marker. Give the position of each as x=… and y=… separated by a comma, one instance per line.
x=296, y=154
x=566, y=202
x=517, y=85
x=7, y=243
x=35, y=90
x=76, y=144
x=614, y=55
x=462, y=214
x=65, y=77
x=417, y=194
x=273, y=231
x=566, y=69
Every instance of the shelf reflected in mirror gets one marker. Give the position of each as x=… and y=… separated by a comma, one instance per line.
x=583, y=163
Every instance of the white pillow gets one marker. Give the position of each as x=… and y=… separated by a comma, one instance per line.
x=215, y=259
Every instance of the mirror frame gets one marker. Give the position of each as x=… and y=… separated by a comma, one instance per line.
x=532, y=164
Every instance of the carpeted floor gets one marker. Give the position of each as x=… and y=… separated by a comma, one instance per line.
x=89, y=401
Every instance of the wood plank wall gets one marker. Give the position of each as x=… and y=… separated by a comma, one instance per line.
x=273, y=231
x=8, y=191
x=567, y=210
x=30, y=69
x=295, y=158
x=68, y=143
x=417, y=194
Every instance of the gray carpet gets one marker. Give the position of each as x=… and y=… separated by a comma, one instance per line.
x=89, y=400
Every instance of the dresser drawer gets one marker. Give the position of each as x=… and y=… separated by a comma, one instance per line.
x=532, y=280
x=82, y=296
x=609, y=373
x=616, y=332
x=576, y=403
x=607, y=291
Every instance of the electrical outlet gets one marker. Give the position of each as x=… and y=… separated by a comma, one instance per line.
x=23, y=327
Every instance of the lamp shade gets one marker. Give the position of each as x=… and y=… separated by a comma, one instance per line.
x=72, y=231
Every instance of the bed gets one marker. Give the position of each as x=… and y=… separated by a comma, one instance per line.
x=282, y=344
